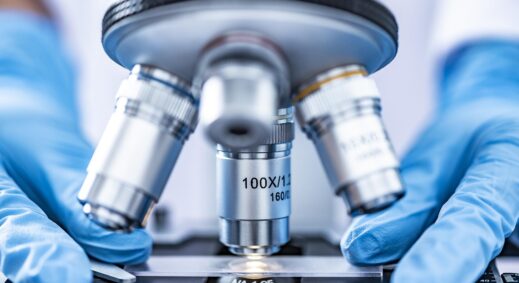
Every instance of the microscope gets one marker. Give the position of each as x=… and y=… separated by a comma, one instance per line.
x=245, y=70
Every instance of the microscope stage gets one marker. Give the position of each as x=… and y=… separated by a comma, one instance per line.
x=305, y=259
x=205, y=260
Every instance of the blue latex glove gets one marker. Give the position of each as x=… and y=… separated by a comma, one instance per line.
x=43, y=150
x=462, y=177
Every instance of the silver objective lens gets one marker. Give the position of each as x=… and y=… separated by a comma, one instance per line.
x=154, y=115
x=254, y=191
x=244, y=82
x=340, y=112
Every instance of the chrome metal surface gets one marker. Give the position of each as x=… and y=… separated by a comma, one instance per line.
x=243, y=82
x=282, y=266
x=340, y=112
x=246, y=185
x=155, y=113
x=116, y=207
x=256, y=237
x=313, y=37
x=254, y=190
x=373, y=192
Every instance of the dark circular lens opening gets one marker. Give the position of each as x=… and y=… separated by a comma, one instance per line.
x=238, y=130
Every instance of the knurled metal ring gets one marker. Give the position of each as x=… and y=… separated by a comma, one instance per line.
x=369, y=9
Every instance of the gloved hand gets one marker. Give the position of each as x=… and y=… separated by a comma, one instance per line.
x=43, y=150
x=462, y=177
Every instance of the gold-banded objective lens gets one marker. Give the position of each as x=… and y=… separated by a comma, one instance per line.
x=340, y=111
x=307, y=90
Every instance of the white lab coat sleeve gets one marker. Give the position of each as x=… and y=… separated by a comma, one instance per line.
x=458, y=22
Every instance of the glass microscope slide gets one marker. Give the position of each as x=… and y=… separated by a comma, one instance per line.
x=283, y=266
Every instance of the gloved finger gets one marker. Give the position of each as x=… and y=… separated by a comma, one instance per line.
x=33, y=248
x=473, y=224
x=477, y=77
x=427, y=174
x=52, y=176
